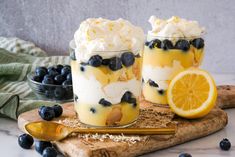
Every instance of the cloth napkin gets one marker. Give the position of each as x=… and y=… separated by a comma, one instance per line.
x=17, y=59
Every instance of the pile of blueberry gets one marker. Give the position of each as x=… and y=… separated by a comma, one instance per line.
x=181, y=44
x=127, y=59
x=45, y=148
x=55, y=75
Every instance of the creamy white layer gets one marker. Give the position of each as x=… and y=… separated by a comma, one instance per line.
x=161, y=73
x=107, y=38
x=90, y=91
x=173, y=28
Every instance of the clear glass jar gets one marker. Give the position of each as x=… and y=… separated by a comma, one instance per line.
x=107, y=95
x=165, y=57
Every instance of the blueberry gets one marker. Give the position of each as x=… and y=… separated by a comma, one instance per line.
x=104, y=102
x=75, y=97
x=93, y=110
x=146, y=43
x=40, y=71
x=134, y=105
x=69, y=77
x=161, y=91
x=132, y=101
x=225, y=144
x=115, y=64
x=185, y=155
x=59, y=93
x=25, y=141
x=198, y=43
x=40, y=109
x=49, y=93
x=128, y=59
x=95, y=61
x=155, y=43
x=105, y=62
x=69, y=93
x=48, y=81
x=41, y=88
x=58, y=68
x=127, y=97
x=152, y=83
x=49, y=152
x=47, y=113
x=59, y=79
x=53, y=73
x=67, y=83
x=166, y=45
x=47, y=76
x=37, y=78
x=65, y=71
x=41, y=145
x=67, y=66
x=58, y=110
x=82, y=68
x=182, y=45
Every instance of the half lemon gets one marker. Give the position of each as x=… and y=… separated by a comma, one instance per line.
x=192, y=93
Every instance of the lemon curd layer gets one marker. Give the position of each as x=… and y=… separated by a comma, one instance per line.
x=159, y=58
x=115, y=115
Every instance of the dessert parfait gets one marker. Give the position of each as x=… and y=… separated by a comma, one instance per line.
x=172, y=45
x=106, y=61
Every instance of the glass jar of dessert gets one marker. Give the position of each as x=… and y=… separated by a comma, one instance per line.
x=106, y=62
x=172, y=45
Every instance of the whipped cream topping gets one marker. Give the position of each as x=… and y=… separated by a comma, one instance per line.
x=107, y=38
x=90, y=91
x=174, y=27
x=161, y=73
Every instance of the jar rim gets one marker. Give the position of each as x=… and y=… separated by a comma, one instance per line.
x=164, y=37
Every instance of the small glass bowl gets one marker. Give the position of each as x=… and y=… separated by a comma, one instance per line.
x=58, y=93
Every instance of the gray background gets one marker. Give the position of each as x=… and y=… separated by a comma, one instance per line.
x=51, y=23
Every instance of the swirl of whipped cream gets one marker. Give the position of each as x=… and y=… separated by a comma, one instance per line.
x=173, y=28
x=107, y=38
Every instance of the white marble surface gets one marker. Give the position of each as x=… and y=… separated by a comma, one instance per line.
x=204, y=147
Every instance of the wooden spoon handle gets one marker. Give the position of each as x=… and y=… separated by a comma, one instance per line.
x=128, y=131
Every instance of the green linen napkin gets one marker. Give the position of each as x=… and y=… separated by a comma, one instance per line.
x=17, y=59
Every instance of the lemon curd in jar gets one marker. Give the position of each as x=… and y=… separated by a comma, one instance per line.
x=107, y=84
x=168, y=54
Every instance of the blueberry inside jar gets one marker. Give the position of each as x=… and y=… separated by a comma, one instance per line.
x=106, y=64
x=172, y=45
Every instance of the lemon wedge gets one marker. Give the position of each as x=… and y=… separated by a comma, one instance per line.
x=192, y=93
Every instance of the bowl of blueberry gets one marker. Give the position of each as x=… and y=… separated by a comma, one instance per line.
x=53, y=83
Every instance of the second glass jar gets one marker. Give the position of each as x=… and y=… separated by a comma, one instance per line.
x=165, y=57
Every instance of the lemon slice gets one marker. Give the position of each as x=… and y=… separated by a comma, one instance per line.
x=192, y=93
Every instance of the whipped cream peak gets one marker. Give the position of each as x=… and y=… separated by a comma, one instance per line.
x=107, y=38
x=173, y=28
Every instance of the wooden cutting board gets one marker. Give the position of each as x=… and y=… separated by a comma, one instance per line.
x=152, y=115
